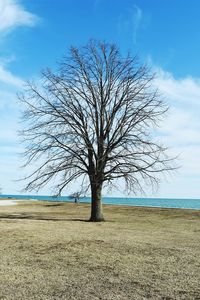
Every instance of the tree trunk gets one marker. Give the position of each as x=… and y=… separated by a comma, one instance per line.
x=96, y=205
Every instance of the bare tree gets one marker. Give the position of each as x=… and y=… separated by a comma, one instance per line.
x=94, y=119
x=75, y=196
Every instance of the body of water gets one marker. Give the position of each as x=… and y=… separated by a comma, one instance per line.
x=149, y=202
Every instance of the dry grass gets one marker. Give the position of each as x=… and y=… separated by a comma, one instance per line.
x=49, y=252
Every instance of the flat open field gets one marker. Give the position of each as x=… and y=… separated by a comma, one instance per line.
x=48, y=251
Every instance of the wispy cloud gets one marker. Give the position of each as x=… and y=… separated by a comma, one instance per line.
x=136, y=21
x=130, y=21
x=8, y=78
x=12, y=15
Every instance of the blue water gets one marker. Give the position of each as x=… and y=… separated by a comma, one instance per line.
x=150, y=202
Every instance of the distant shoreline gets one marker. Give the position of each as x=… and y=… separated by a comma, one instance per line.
x=190, y=204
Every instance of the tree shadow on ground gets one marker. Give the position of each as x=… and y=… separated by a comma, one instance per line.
x=53, y=205
x=38, y=218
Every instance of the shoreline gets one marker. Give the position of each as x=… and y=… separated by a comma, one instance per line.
x=15, y=201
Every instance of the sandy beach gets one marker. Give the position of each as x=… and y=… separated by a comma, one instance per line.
x=7, y=202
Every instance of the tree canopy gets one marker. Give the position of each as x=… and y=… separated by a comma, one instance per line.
x=94, y=119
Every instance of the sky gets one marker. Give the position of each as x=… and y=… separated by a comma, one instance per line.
x=164, y=34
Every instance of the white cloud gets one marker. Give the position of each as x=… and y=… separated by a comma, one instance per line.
x=12, y=14
x=9, y=123
x=184, y=91
x=181, y=131
x=182, y=126
x=8, y=78
x=10, y=84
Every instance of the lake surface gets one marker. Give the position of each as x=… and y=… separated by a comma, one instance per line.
x=150, y=202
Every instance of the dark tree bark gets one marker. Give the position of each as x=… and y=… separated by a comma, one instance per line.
x=96, y=203
x=93, y=119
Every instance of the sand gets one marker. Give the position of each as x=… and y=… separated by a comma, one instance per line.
x=7, y=202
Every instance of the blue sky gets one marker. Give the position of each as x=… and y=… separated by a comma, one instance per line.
x=165, y=34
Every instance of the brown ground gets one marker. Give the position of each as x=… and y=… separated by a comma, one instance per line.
x=49, y=252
